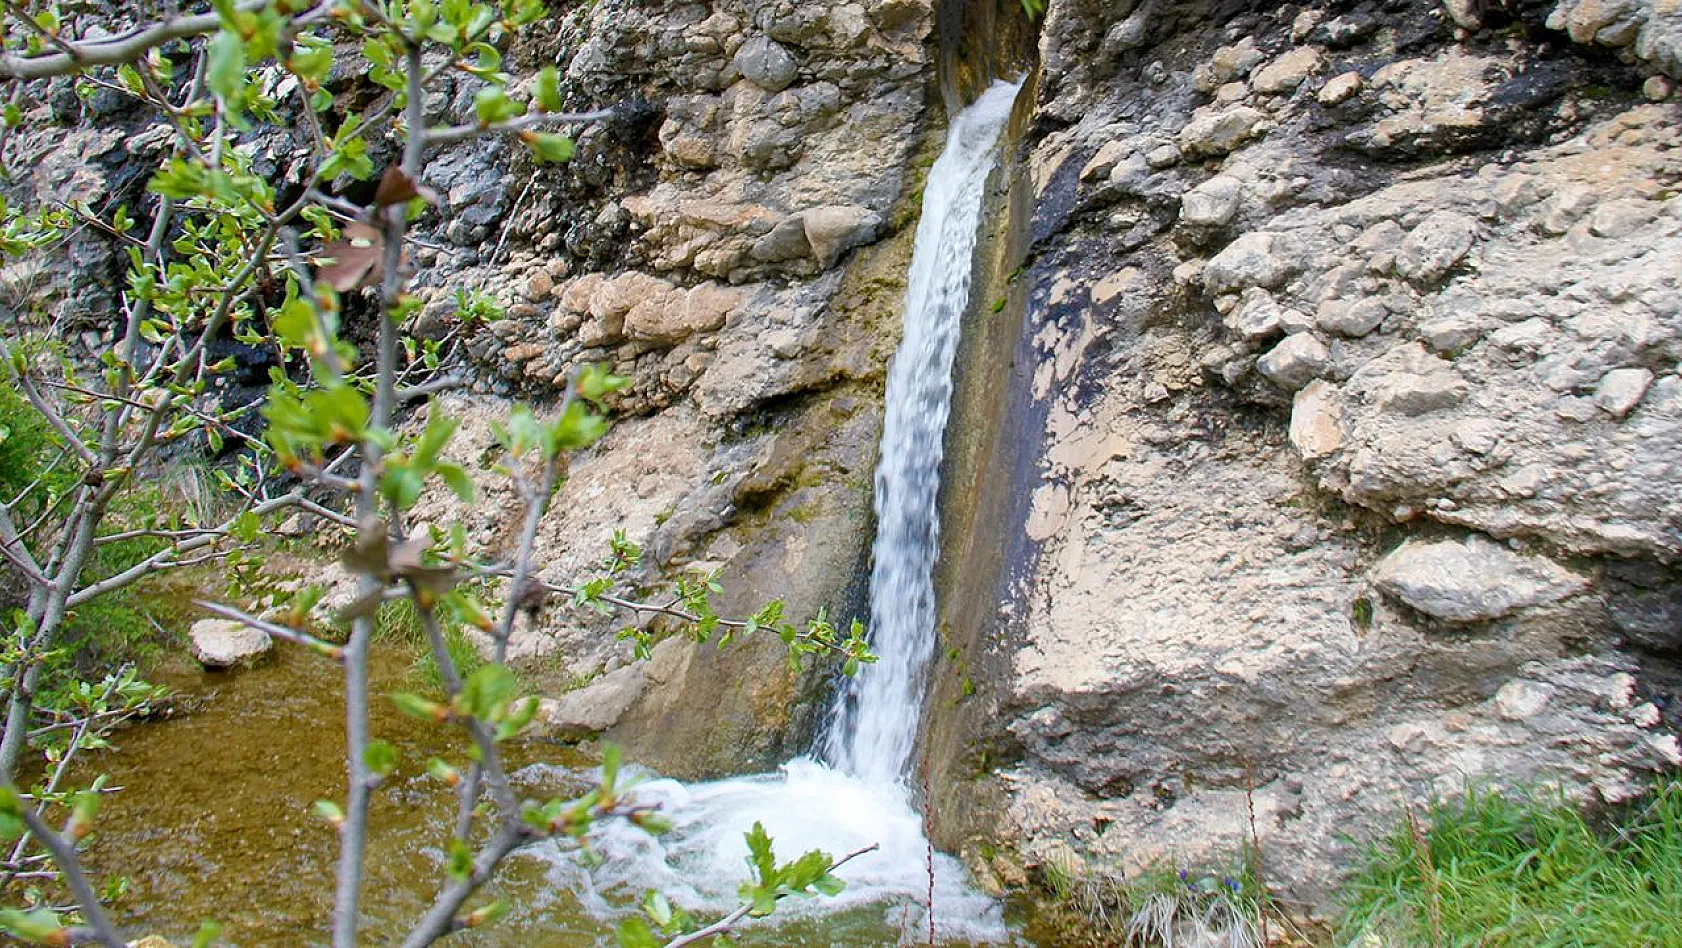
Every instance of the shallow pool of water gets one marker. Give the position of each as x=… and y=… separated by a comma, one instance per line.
x=213, y=821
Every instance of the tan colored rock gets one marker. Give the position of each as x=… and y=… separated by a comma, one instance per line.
x=1316, y=420
x=1214, y=132
x=1288, y=71
x=221, y=643
x=1340, y=89
x=832, y=231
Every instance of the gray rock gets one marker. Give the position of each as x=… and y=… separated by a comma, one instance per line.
x=767, y=64
x=1228, y=63
x=1434, y=247
x=595, y=707
x=1251, y=260
x=1620, y=390
x=221, y=643
x=1214, y=203
x=1295, y=362
x=1474, y=581
x=832, y=231
x=1340, y=89
x=1409, y=393
x=1519, y=700
x=1352, y=318
x=1260, y=318
x=1212, y=133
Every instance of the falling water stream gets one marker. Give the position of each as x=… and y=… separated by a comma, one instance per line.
x=860, y=793
x=203, y=837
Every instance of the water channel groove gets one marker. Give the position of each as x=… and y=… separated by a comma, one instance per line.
x=859, y=794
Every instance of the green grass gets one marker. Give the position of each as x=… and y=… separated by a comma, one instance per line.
x=399, y=621
x=1528, y=869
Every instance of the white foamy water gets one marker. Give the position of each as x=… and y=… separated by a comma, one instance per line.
x=862, y=796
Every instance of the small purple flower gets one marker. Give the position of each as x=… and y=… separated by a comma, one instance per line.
x=1231, y=883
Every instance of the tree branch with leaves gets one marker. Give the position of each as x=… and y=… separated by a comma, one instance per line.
x=216, y=253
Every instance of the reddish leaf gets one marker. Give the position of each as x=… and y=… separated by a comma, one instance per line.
x=354, y=261
x=396, y=187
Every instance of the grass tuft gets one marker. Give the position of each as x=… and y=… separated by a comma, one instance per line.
x=1528, y=869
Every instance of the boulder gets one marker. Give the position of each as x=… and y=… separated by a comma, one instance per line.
x=1212, y=133
x=1214, y=203
x=1473, y=581
x=222, y=643
x=1294, y=362
x=767, y=64
x=595, y=707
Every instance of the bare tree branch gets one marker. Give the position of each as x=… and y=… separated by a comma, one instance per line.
x=123, y=48
x=64, y=854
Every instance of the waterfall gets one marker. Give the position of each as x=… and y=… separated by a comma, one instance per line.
x=877, y=728
x=861, y=798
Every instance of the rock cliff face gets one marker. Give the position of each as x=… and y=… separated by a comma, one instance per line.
x=1349, y=410
x=1319, y=426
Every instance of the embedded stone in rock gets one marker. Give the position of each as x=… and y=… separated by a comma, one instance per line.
x=1340, y=89
x=222, y=643
x=1474, y=581
x=1228, y=63
x=1607, y=22
x=1214, y=133
x=1519, y=699
x=673, y=317
x=832, y=231
x=1620, y=390
x=1214, y=203
x=1294, y=362
x=1251, y=260
x=1435, y=246
x=1352, y=318
x=1288, y=71
x=1316, y=420
x=1409, y=393
x=595, y=707
x=1259, y=319
x=767, y=64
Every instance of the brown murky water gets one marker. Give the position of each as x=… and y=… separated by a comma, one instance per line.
x=214, y=817
x=213, y=821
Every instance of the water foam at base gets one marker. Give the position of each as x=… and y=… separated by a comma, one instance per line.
x=805, y=805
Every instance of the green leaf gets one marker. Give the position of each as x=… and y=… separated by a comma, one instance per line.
x=634, y=932
x=829, y=885
x=549, y=147
x=329, y=811
x=760, y=857
x=546, y=92
x=460, y=863
x=208, y=932
x=417, y=707
x=380, y=757
x=225, y=66
x=486, y=691
x=487, y=914
x=492, y=105
x=458, y=480
x=246, y=526
x=35, y=927
x=658, y=907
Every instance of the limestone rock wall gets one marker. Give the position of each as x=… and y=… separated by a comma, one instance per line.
x=1350, y=385
x=734, y=241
